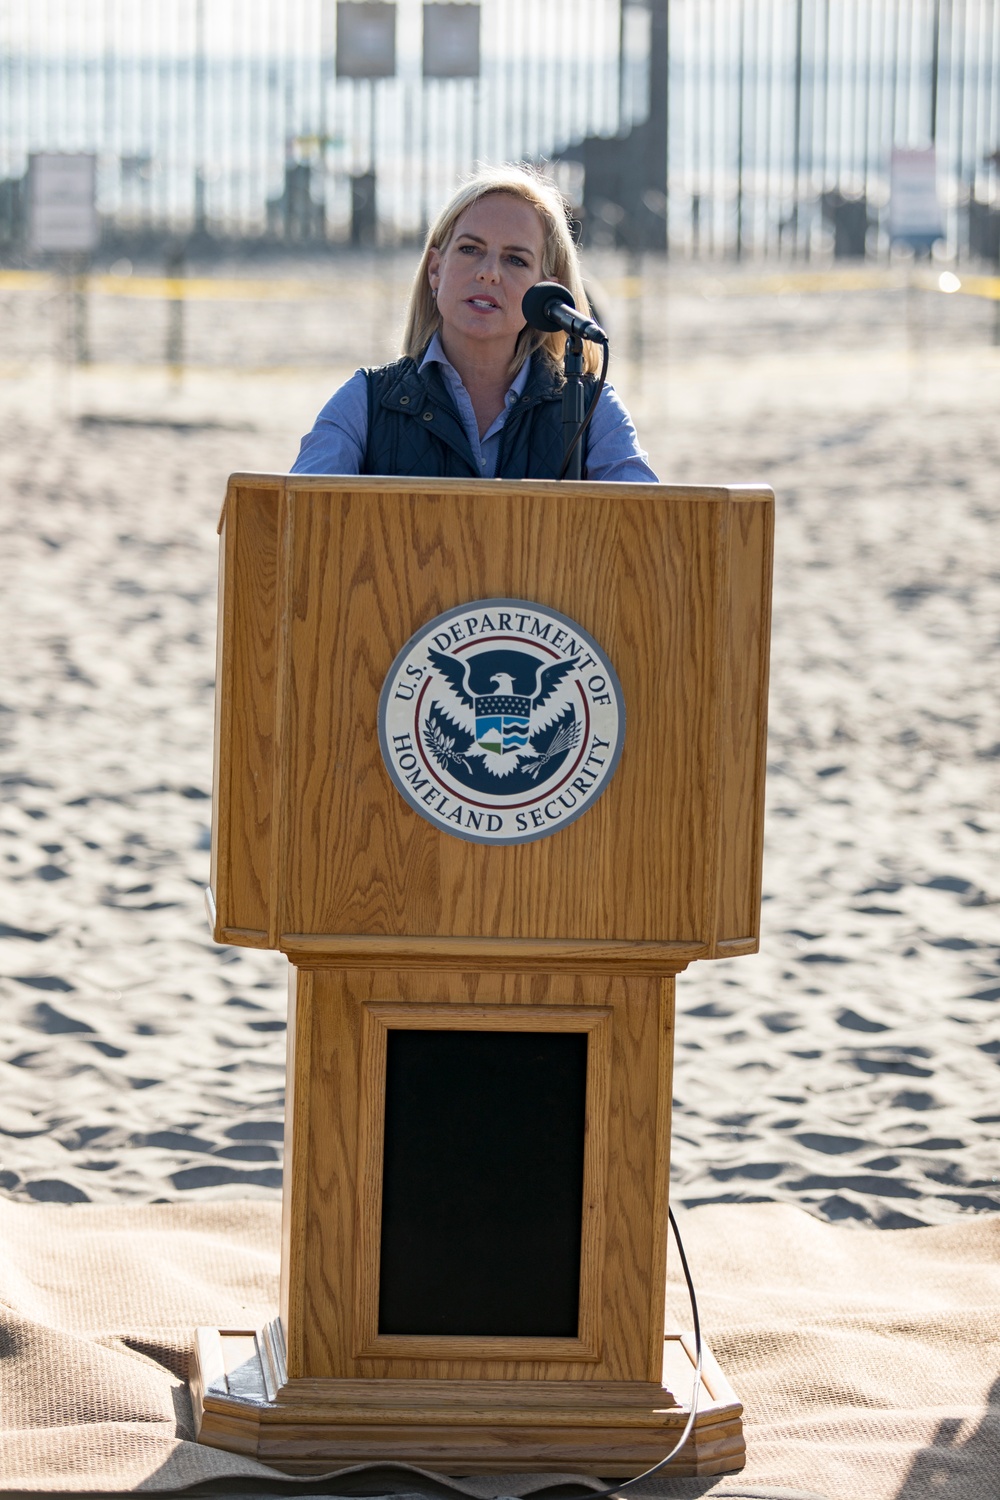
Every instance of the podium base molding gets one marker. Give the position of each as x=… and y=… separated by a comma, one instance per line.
x=245, y=1402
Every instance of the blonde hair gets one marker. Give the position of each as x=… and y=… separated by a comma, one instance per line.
x=560, y=261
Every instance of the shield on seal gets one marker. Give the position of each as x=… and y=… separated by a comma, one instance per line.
x=503, y=720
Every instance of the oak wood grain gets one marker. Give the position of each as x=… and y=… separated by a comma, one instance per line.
x=616, y=1428
x=389, y=921
x=743, y=726
x=246, y=717
x=377, y=1019
x=296, y=1184
x=333, y=1158
x=672, y=582
x=535, y=955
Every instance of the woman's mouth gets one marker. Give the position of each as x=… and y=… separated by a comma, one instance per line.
x=486, y=304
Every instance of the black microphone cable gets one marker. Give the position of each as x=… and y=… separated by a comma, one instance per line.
x=627, y=1484
x=587, y=419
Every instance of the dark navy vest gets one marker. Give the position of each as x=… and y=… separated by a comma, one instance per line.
x=414, y=427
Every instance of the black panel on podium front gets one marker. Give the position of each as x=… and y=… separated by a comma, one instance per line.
x=482, y=1198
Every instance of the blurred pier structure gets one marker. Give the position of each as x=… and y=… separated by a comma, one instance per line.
x=705, y=129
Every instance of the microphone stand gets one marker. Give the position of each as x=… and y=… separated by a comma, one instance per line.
x=572, y=404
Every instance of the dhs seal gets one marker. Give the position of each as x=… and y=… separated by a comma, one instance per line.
x=501, y=721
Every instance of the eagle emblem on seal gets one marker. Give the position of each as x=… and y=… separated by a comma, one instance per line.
x=500, y=712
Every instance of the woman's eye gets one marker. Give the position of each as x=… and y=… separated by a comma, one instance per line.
x=517, y=261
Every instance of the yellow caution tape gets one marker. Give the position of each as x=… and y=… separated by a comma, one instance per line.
x=26, y=281
x=239, y=289
x=173, y=288
x=981, y=286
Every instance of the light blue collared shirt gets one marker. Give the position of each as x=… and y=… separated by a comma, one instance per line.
x=336, y=444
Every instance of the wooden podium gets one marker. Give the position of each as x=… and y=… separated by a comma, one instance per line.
x=480, y=1033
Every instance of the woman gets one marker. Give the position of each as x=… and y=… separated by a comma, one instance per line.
x=477, y=394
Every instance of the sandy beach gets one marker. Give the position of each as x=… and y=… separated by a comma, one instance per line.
x=851, y=1067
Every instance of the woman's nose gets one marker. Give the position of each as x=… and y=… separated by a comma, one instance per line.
x=489, y=268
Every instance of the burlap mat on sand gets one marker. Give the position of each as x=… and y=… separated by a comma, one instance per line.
x=868, y=1362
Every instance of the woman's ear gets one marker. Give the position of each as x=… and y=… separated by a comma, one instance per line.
x=434, y=268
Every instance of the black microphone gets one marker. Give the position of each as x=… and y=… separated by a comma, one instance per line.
x=550, y=307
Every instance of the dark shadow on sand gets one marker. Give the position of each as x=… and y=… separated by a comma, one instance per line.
x=949, y=1466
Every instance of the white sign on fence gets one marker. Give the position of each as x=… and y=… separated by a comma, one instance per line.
x=62, y=202
x=914, y=210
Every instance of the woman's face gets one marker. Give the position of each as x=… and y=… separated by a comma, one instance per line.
x=493, y=256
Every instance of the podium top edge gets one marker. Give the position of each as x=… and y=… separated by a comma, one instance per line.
x=384, y=484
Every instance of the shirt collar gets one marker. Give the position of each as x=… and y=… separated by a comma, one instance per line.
x=435, y=355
